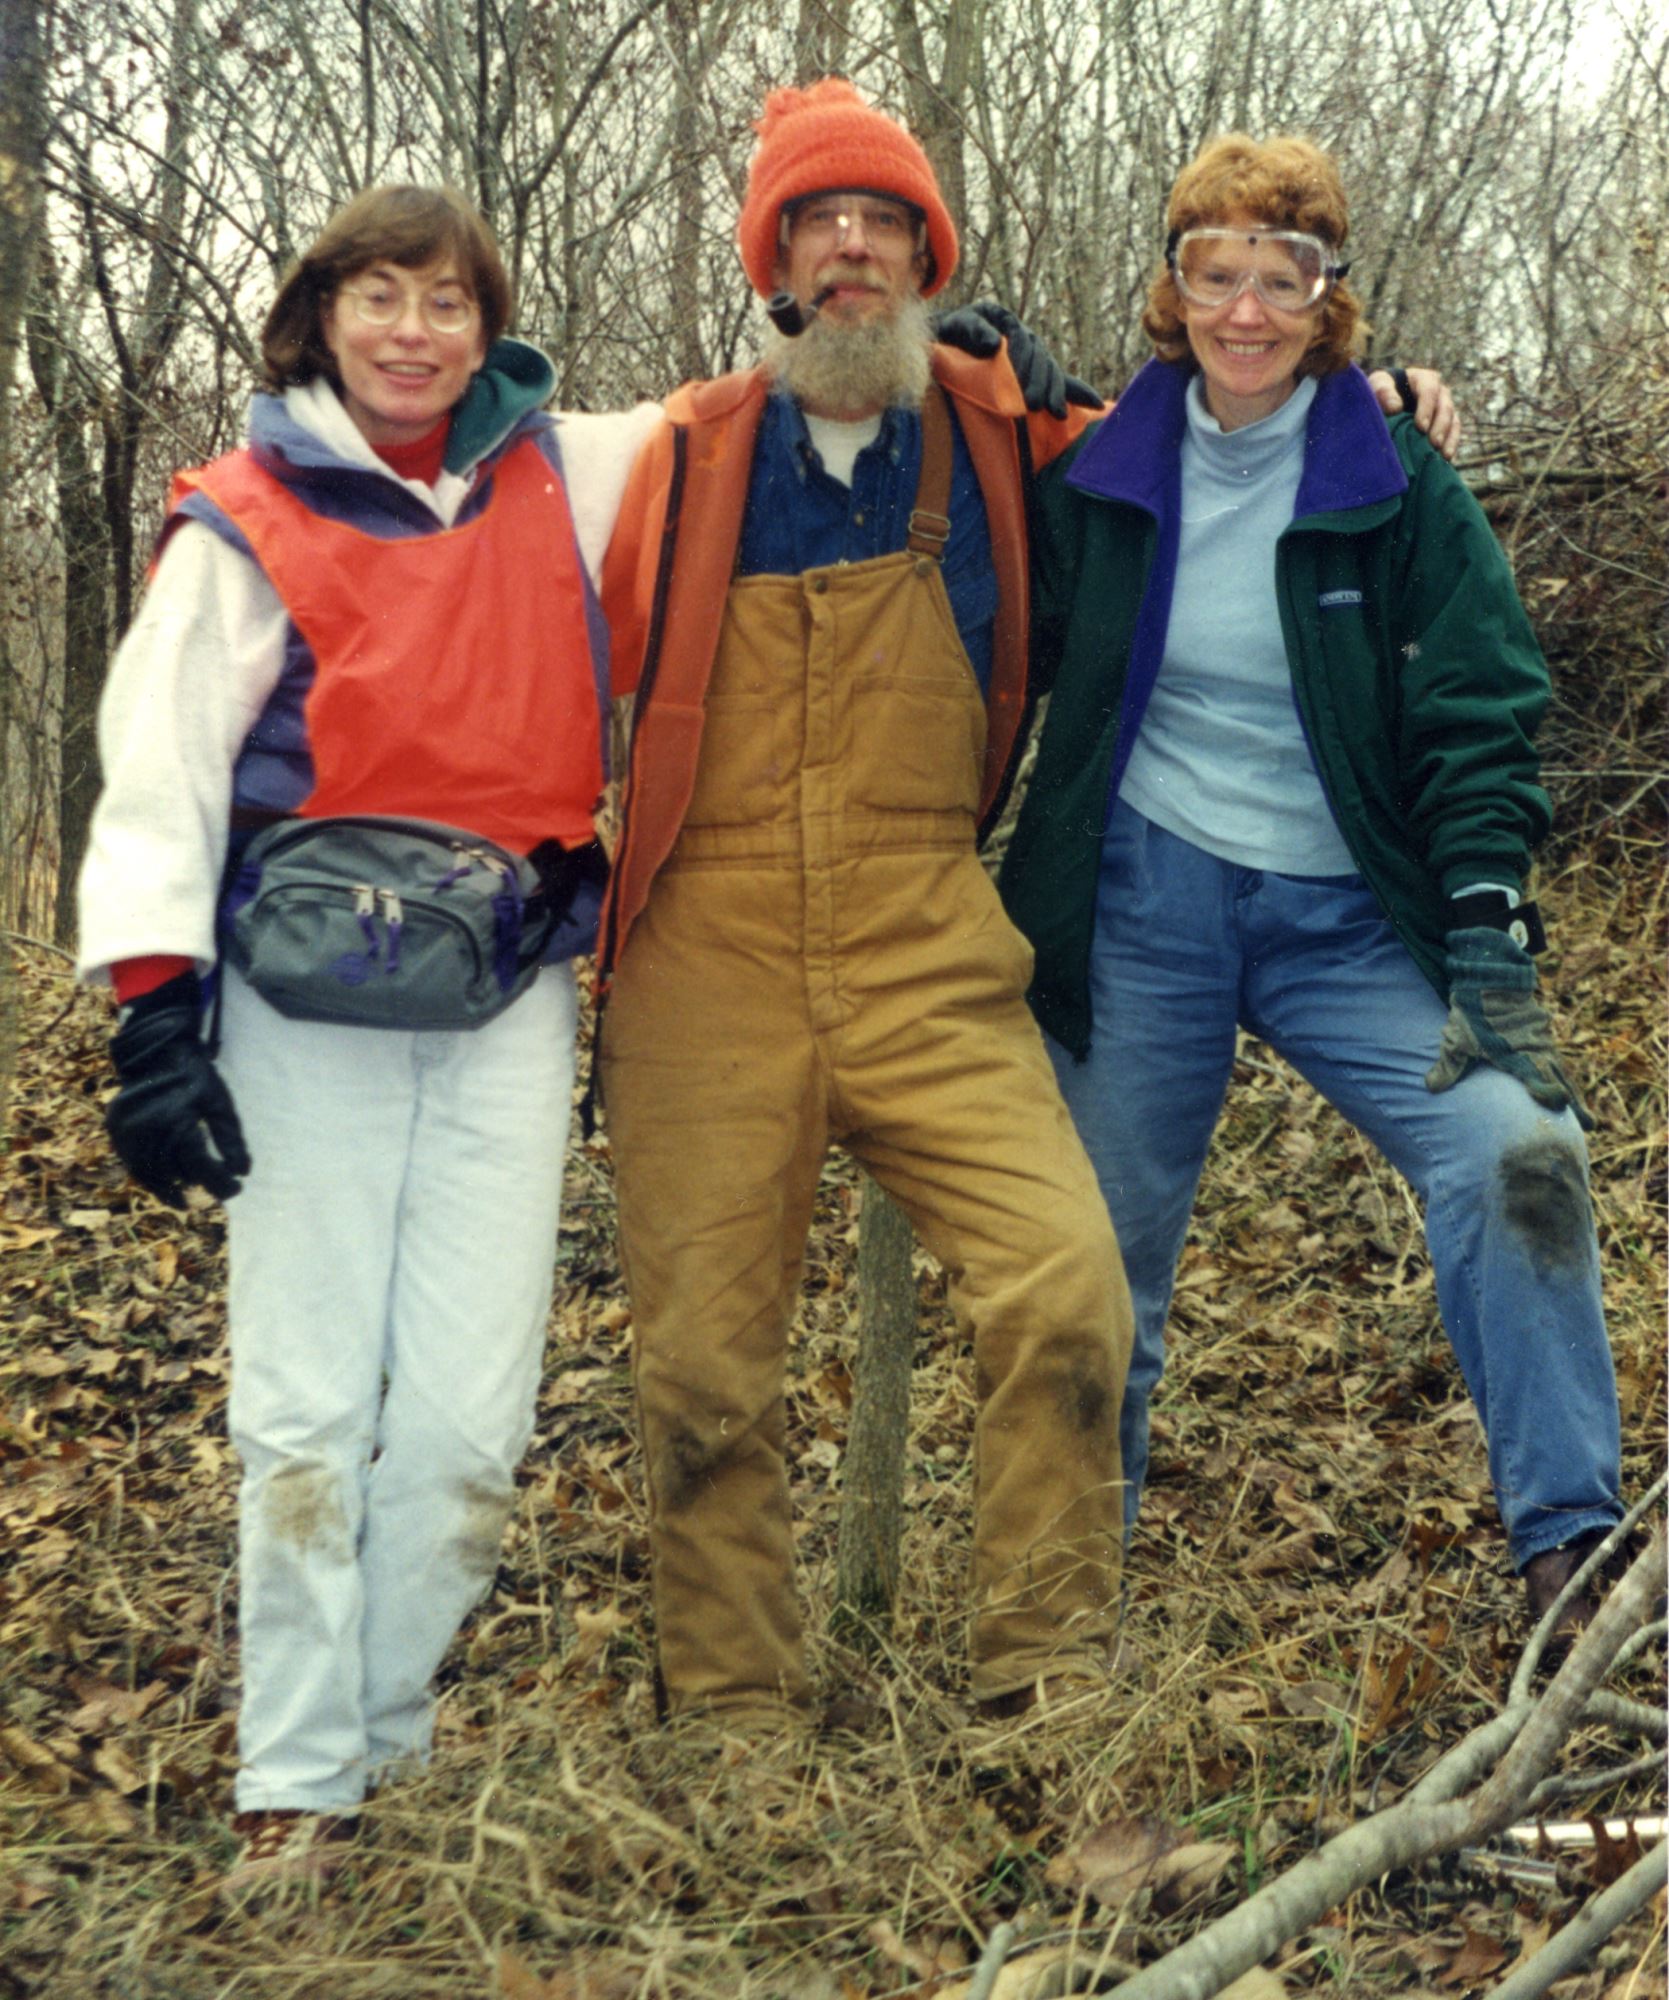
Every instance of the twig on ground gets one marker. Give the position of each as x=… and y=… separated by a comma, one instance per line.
x=1601, y=1553
x=1642, y=1641
x=1431, y=1819
x=1631, y=1718
x=1577, y=1784
x=1611, y=1908
x=39, y=944
x=1507, y=1792
x=990, y=1962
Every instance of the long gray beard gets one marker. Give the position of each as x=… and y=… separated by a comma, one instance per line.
x=858, y=368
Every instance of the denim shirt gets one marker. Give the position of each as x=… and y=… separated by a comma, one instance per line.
x=799, y=518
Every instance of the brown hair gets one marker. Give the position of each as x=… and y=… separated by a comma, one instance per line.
x=404, y=225
x=1287, y=183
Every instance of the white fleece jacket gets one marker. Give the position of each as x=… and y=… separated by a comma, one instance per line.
x=195, y=671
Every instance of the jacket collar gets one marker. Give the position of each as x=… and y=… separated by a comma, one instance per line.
x=971, y=379
x=515, y=380
x=1349, y=458
x=307, y=430
x=719, y=397
x=307, y=441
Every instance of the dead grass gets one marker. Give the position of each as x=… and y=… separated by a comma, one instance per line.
x=1319, y=1598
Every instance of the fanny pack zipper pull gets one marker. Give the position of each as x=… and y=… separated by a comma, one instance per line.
x=365, y=905
x=393, y=916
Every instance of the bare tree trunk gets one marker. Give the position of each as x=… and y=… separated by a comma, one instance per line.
x=872, y=1488
x=938, y=109
x=20, y=158
x=821, y=32
x=85, y=528
x=682, y=26
x=872, y=1497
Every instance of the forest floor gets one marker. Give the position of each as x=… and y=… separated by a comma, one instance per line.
x=1319, y=1603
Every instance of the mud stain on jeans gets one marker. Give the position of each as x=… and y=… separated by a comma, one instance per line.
x=1545, y=1199
x=480, y=1537
x=303, y=1509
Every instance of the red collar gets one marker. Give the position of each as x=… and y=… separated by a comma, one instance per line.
x=422, y=459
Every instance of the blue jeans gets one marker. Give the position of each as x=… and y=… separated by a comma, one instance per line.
x=1188, y=947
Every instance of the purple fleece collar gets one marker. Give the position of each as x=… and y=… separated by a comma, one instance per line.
x=1349, y=459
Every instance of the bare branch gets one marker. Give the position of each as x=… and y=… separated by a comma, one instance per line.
x=1429, y=1820
x=1598, y=1556
x=1580, y=1938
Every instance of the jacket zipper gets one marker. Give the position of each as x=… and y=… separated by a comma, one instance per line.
x=1289, y=627
x=1028, y=684
x=645, y=688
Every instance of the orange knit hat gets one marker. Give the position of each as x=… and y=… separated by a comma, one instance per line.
x=822, y=139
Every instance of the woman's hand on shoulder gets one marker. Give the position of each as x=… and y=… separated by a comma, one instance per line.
x=1433, y=408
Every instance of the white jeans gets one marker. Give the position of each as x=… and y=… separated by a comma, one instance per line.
x=391, y=1258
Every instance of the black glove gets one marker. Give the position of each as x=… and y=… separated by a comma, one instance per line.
x=980, y=330
x=563, y=873
x=171, y=1091
x=1495, y=1018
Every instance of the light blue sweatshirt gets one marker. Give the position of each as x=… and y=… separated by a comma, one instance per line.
x=1221, y=759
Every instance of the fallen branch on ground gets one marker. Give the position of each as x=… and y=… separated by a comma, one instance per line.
x=1515, y=1749
x=1589, y=1929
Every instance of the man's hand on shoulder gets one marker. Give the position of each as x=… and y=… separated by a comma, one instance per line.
x=981, y=329
x=1423, y=394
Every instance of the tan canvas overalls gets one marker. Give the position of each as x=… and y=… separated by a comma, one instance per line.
x=823, y=957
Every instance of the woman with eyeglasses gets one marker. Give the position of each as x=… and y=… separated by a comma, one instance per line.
x=370, y=648
x=1287, y=783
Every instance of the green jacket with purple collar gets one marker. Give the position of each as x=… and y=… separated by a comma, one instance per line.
x=1415, y=673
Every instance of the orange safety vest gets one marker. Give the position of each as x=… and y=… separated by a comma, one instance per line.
x=453, y=671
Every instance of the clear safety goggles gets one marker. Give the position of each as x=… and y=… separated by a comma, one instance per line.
x=830, y=219
x=380, y=302
x=1289, y=269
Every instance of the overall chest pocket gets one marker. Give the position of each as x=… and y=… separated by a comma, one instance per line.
x=748, y=764
x=917, y=718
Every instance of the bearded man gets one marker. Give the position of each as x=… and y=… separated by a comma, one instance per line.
x=818, y=598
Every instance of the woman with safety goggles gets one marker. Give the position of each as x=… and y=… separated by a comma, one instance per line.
x=1287, y=783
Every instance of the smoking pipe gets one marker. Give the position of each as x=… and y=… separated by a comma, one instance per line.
x=789, y=317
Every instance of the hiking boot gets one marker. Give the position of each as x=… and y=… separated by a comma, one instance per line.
x=286, y=1849
x=857, y=1715
x=1070, y=1687
x=1547, y=1574
x=1071, y=1692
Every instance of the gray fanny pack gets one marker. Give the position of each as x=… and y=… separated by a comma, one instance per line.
x=384, y=923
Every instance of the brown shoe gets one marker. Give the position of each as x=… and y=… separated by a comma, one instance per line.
x=285, y=1849
x=1547, y=1574
x=1071, y=1687
x=1052, y=1695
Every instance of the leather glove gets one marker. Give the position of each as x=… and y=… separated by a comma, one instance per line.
x=980, y=330
x=564, y=872
x=1495, y=1018
x=171, y=1095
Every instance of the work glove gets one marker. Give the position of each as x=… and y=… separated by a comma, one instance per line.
x=563, y=873
x=980, y=330
x=171, y=1096
x=1495, y=1018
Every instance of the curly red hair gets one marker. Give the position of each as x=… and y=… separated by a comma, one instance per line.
x=1286, y=183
